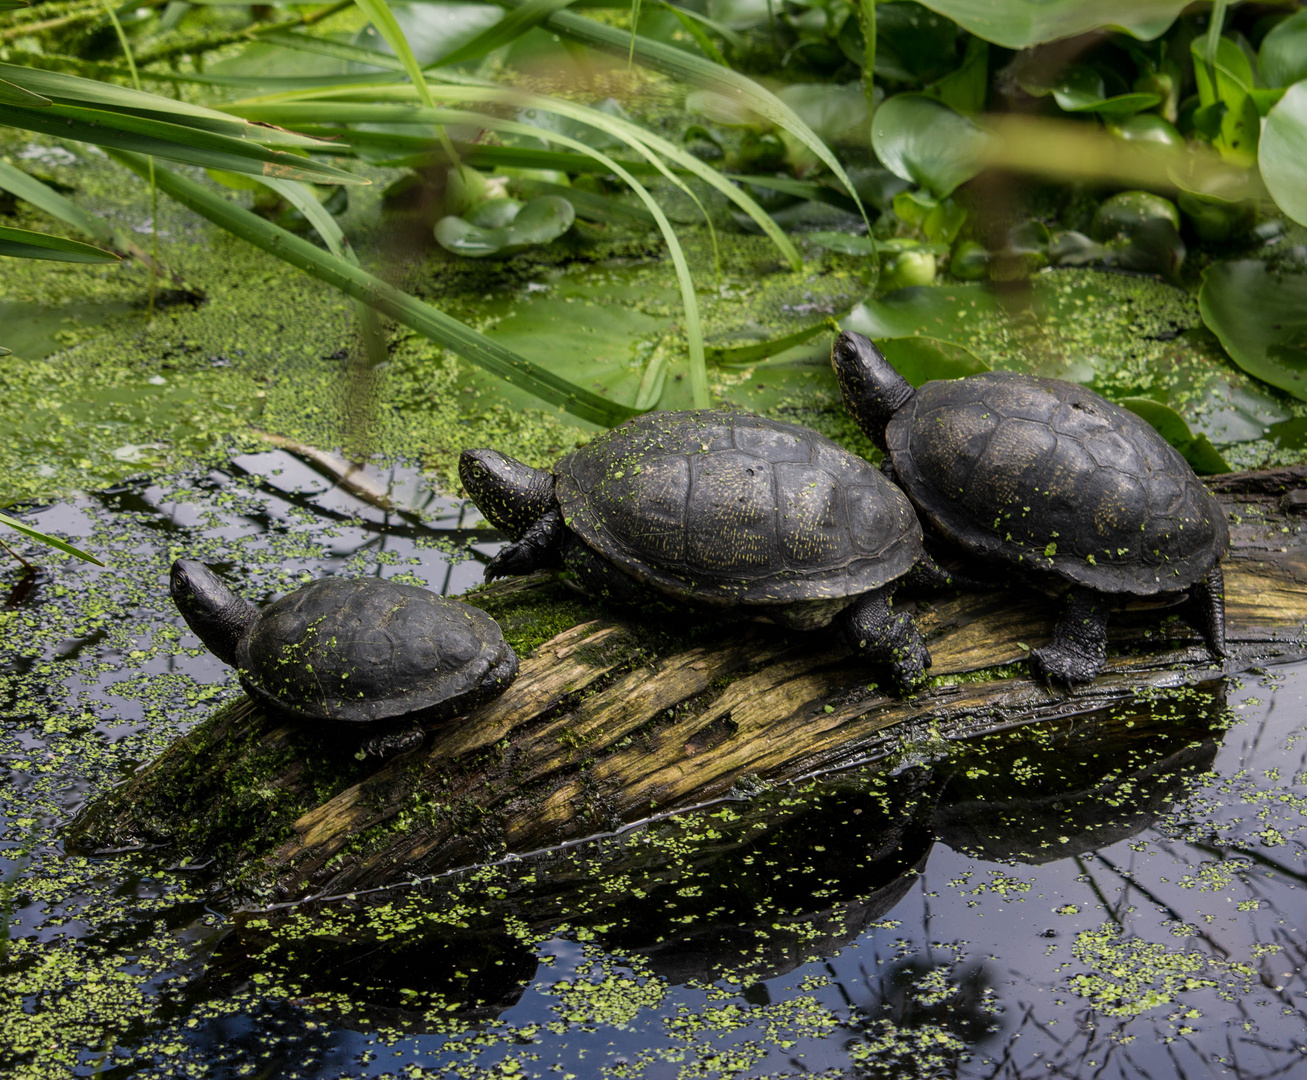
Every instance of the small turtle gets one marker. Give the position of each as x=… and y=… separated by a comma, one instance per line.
x=361, y=651
x=1047, y=477
x=719, y=510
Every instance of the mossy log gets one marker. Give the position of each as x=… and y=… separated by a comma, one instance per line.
x=614, y=719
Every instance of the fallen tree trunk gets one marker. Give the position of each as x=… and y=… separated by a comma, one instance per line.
x=611, y=721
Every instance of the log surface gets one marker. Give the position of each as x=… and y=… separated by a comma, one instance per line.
x=611, y=721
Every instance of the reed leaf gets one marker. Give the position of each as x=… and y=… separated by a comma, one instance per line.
x=47, y=539
x=25, y=244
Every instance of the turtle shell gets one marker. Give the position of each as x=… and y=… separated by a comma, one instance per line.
x=737, y=509
x=368, y=650
x=1050, y=476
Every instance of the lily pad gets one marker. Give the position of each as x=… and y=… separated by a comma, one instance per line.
x=538, y=222
x=1198, y=450
x=923, y=140
x=1261, y=318
x=1283, y=152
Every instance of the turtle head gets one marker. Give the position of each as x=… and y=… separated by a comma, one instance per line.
x=217, y=615
x=873, y=391
x=513, y=496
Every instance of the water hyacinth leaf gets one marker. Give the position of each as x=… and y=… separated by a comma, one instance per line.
x=1282, y=59
x=540, y=221
x=357, y=283
x=1229, y=98
x=1260, y=315
x=1198, y=450
x=913, y=44
x=1018, y=24
x=25, y=244
x=46, y=538
x=1283, y=153
x=1080, y=88
x=926, y=142
x=965, y=89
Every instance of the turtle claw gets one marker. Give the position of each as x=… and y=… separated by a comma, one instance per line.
x=391, y=743
x=1053, y=664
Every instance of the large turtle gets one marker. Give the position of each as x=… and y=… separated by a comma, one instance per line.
x=361, y=651
x=721, y=510
x=1047, y=477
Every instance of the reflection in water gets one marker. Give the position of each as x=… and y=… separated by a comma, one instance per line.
x=1114, y=895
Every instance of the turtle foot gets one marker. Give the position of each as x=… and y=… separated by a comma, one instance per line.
x=1057, y=664
x=393, y=742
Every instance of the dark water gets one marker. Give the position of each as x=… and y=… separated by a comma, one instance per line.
x=1116, y=895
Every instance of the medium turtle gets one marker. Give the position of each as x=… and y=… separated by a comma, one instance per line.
x=361, y=651
x=718, y=509
x=1047, y=477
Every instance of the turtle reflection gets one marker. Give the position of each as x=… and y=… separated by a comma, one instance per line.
x=1089, y=783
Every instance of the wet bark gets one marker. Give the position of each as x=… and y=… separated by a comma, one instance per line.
x=610, y=722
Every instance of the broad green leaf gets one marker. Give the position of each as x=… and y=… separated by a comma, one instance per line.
x=512, y=26
x=46, y=538
x=1080, y=89
x=588, y=204
x=965, y=89
x=1018, y=24
x=433, y=324
x=1260, y=315
x=11, y=5
x=926, y=142
x=1198, y=450
x=190, y=145
x=1283, y=153
x=1282, y=59
x=25, y=244
x=913, y=45
x=540, y=221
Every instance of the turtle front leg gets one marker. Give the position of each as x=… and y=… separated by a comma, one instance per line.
x=878, y=632
x=1079, y=644
x=1207, y=611
x=537, y=549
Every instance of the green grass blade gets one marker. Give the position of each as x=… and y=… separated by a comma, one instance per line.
x=192, y=146
x=380, y=15
x=702, y=73
x=513, y=25
x=337, y=50
x=705, y=43
x=76, y=91
x=46, y=538
x=761, y=350
x=359, y=284
x=803, y=189
x=25, y=244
